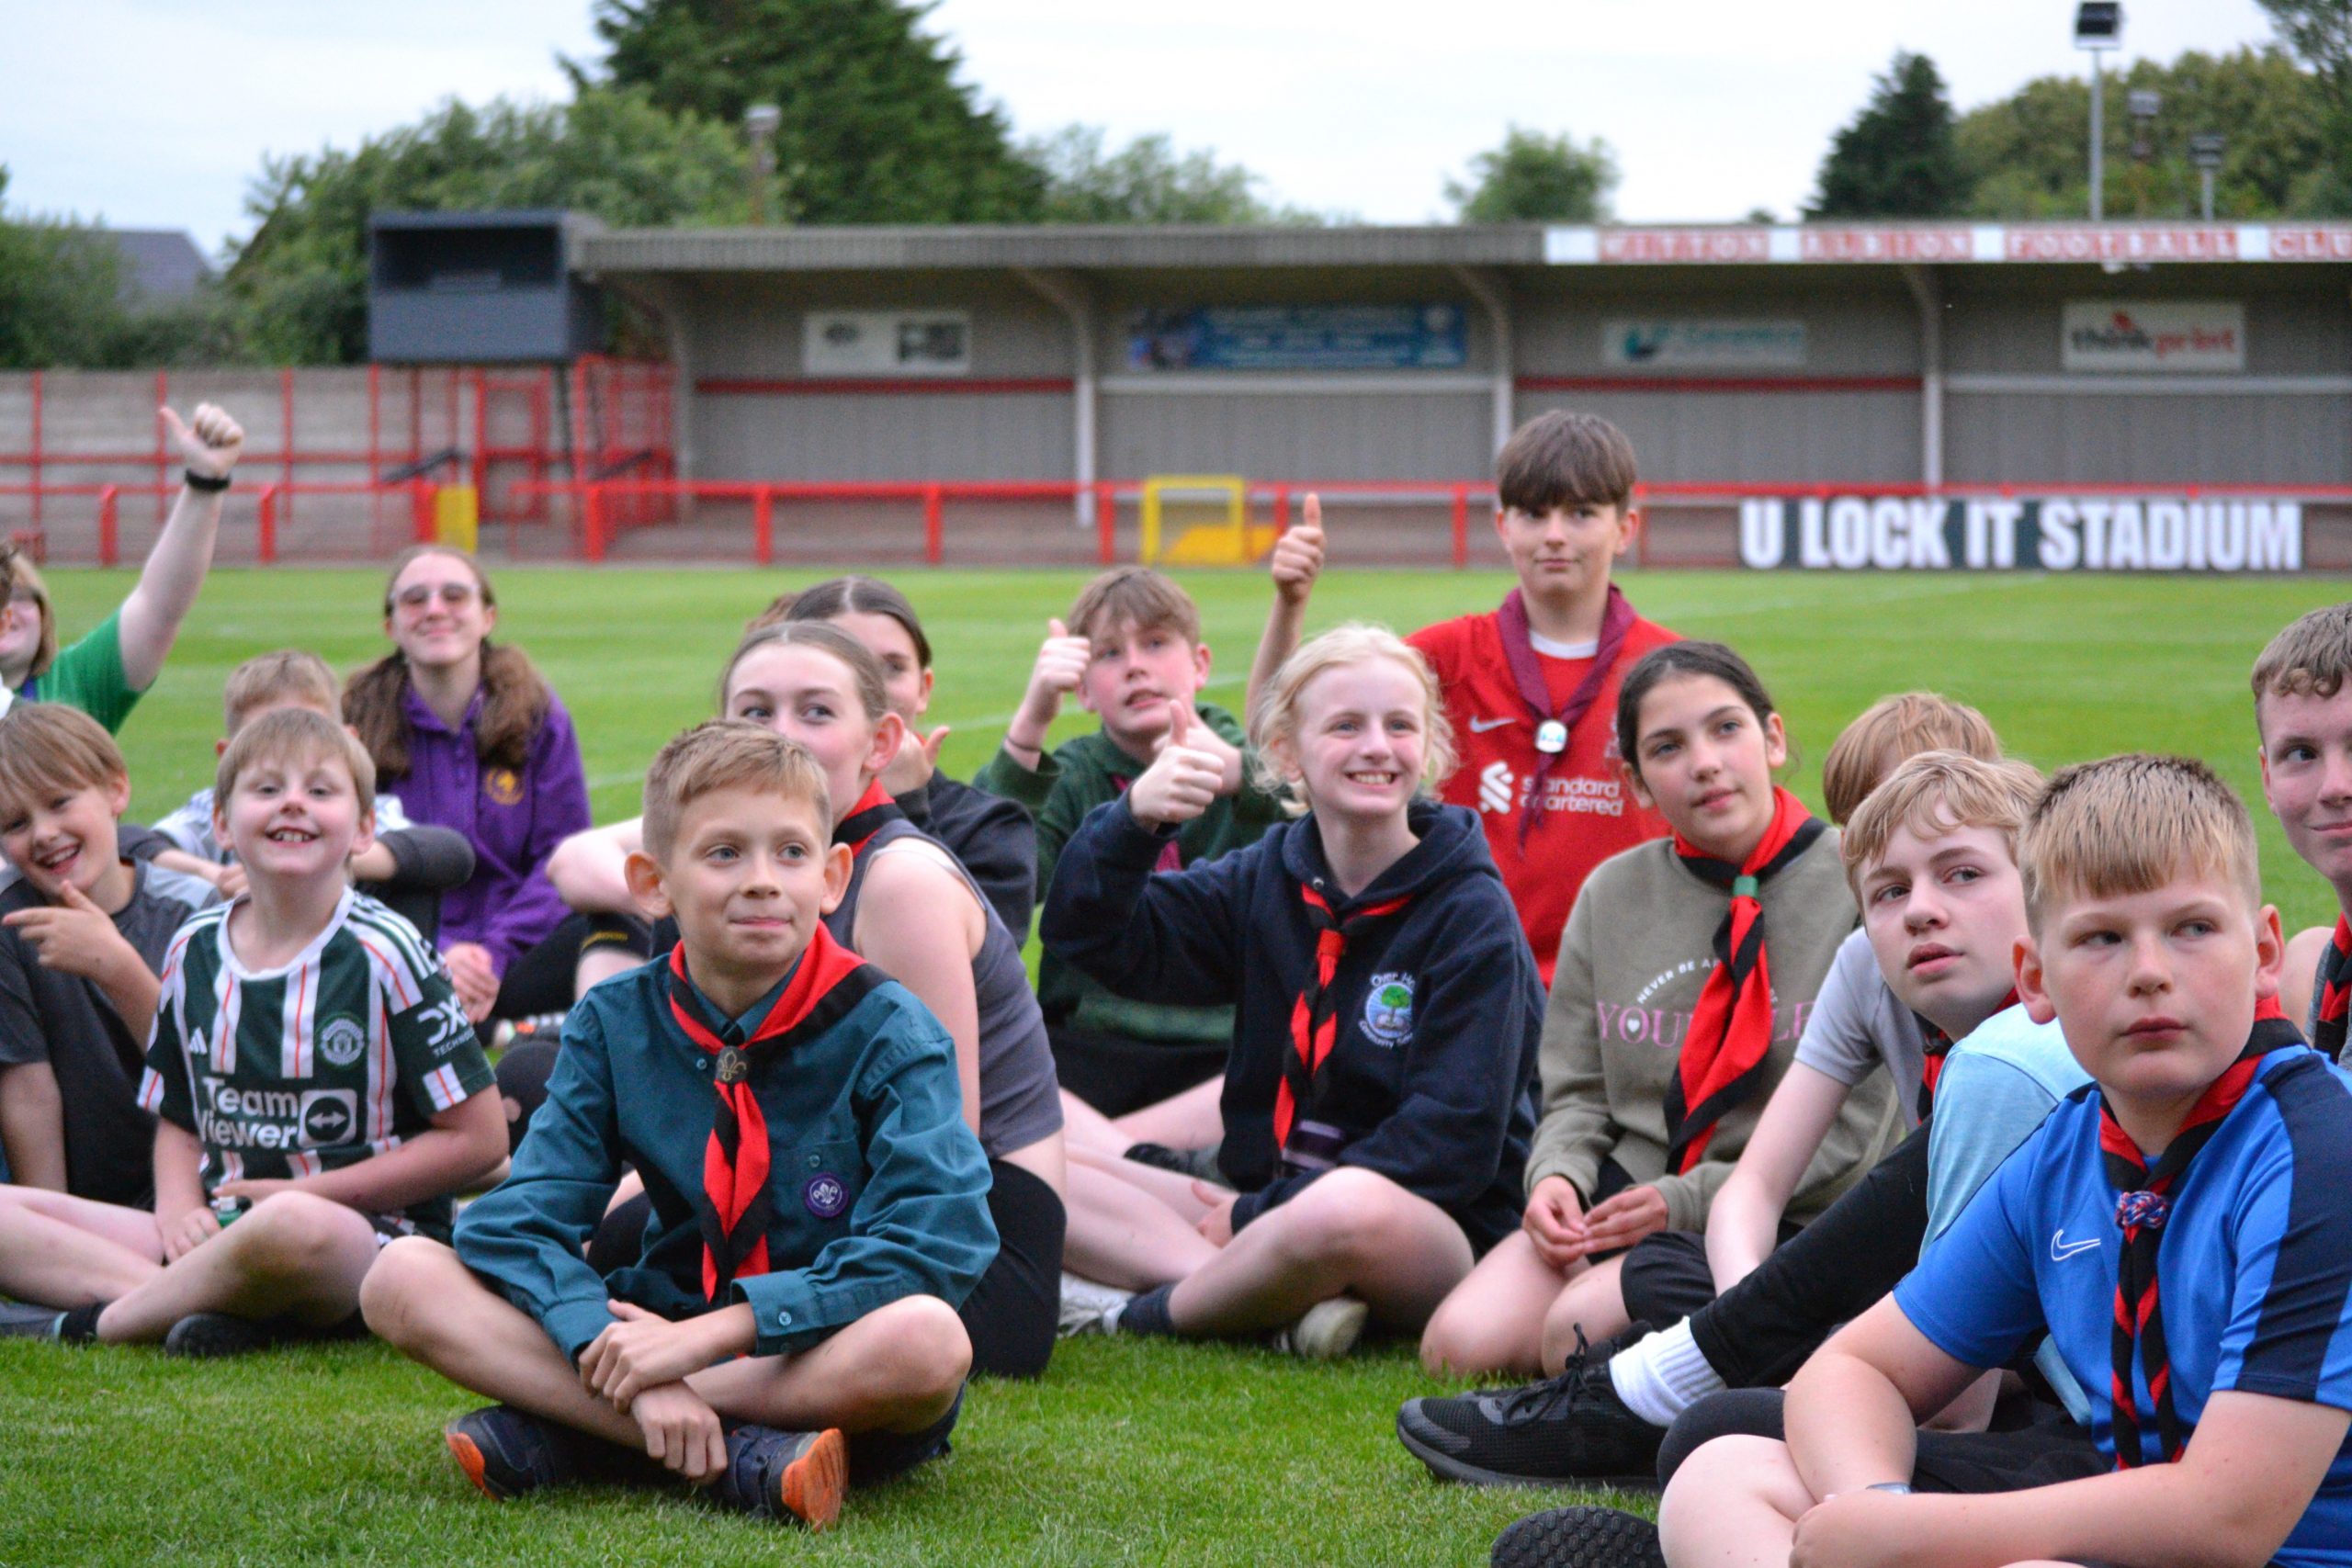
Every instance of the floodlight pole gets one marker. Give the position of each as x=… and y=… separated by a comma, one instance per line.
x=2098, y=170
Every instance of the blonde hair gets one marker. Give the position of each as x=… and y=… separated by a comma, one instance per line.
x=292, y=735
x=1890, y=730
x=50, y=749
x=267, y=680
x=1936, y=793
x=1135, y=596
x=2312, y=657
x=1275, y=722
x=727, y=753
x=2132, y=824
x=16, y=567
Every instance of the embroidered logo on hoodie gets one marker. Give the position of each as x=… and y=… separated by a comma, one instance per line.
x=1388, y=1010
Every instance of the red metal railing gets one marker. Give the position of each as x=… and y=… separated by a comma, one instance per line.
x=270, y=503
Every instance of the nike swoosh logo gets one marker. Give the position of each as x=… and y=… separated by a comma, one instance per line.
x=1480, y=726
x=2061, y=1249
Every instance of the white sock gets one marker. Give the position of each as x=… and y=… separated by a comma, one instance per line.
x=1664, y=1375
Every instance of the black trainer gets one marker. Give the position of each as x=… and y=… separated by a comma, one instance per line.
x=775, y=1474
x=1567, y=1429
x=210, y=1333
x=507, y=1452
x=1579, y=1537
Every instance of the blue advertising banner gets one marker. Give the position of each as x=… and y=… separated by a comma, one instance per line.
x=1299, y=337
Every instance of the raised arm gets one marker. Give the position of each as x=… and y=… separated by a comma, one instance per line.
x=1296, y=563
x=208, y=443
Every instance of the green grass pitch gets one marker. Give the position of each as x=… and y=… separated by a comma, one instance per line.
x=1155, y=1454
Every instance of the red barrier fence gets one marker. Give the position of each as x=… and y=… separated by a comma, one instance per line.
x=1021, y=521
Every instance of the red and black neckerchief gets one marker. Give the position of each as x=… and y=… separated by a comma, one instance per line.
x=2328, y=1029
x=735, y=1210
x=1313, y=1028
x=1721, y=1061
x=873, y=811
x=2142, y=1204
x=1938, y=1045
x=1527, y=674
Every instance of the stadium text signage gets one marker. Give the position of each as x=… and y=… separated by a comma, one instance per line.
x=1704, y=344
x=2051, y=532
x=1884, y=244
x=2129, y=335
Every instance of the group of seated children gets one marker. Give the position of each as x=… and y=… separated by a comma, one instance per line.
x=1485, y=987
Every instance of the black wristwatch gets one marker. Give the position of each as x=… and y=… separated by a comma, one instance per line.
x=209, y=484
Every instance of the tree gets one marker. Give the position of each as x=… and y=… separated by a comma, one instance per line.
x=2320, y=33
x=875, y=127
x=1895, y=159
x=1147, y=181
x=300, y=281
x=2025, y=156
x=60, y=286
x=1533, y=177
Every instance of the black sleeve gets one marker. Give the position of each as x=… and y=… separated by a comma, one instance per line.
x=1000, y=853
x=1172, y=936
x=427, y=860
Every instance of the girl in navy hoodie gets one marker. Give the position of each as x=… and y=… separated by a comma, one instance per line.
x=1376, y=1118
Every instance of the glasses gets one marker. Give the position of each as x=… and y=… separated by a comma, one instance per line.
x=452, y=594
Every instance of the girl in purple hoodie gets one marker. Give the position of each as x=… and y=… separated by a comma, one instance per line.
x=469, y=736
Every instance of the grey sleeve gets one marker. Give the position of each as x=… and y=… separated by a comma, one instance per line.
x=1838, y=1042
x=22, y=1039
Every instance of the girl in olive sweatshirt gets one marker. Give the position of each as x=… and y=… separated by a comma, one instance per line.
x=1685, y=975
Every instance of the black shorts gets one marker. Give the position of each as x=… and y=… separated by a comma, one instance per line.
x=2048, y=1449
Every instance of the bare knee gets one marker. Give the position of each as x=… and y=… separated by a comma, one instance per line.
x=1742, y=1469
x=1465, y=1337
x=397, y=1297
x=1347, y=1217
x=922, y=1357
x=290, y=1235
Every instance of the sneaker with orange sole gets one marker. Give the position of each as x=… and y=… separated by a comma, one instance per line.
x=785, y=1475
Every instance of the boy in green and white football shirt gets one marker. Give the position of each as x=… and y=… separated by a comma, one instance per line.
x=317, y=1089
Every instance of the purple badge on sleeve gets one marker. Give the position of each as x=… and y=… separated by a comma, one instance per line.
x=825, y=1195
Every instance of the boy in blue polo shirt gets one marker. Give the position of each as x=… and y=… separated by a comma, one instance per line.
x=819, y=1203
x=2179, y=1228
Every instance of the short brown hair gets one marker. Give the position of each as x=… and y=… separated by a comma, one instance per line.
x=17, y=569
x=728, y=753
x=290, y=734
x=52, y=749
x=2132, y=824
x=2310, y=657
x=865, y=671
x=1135, y=596
x=1892, y=729
x=268, y=680
x=1940, y=792
x=1560, y=458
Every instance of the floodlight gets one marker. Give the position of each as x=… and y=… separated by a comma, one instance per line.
x=2144, y=102
x=761, y=120
x=2098, y=24
x=2205, y=149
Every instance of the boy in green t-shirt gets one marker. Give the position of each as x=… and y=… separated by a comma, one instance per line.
x=317, y=1089
x=1132, y=653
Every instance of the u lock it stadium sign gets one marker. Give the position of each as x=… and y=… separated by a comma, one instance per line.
x=2044, y=533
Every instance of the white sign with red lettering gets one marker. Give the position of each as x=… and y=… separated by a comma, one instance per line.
x=2141, y=336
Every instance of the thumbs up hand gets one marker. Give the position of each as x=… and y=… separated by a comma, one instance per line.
x=1185, y=728
x=1183, y=778
x=1297, y=560
x=1061, y=665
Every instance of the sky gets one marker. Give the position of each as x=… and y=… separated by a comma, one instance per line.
x=154, y=116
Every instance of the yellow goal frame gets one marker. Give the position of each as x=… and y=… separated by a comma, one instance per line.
x=1225, y=542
